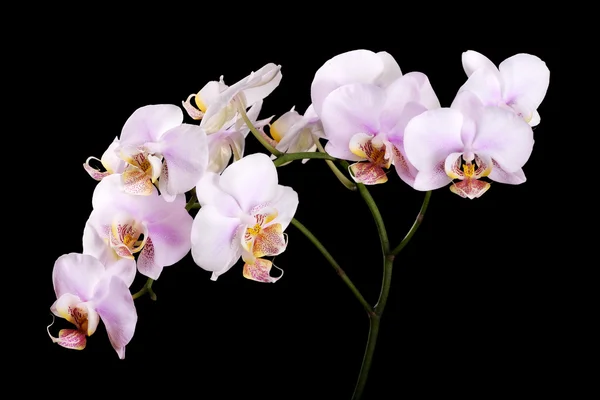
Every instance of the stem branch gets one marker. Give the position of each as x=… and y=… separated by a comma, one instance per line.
x=334, y=264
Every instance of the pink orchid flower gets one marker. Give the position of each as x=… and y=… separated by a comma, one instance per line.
x=122, y=225
x=156, y=144
x=519, y=83
x=87, y=293
x=467, y=142
x=244, y=214
x=365, y=123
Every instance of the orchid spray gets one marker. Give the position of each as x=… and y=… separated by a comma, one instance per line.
x=367, y=119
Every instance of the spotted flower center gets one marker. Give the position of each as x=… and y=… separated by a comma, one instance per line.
x=264, y=237
x=469, y=174
x=127, y=238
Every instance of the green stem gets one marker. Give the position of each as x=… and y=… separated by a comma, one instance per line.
x=415, y=225
x=255, y=131
x=146, y=289
x=334, y=264
x=375, y=318
x=339, y=174
x=191, y=204
x=287, y=157
x=367, y=358
x=385, y=243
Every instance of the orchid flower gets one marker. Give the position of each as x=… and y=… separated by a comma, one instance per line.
x=110, y=161
x=86, y=293
x=217, y=103
x=155, y=143
x=244, y=214
x=295, y=133
x=356, y=66
x=122, y=225
x=467, y=142
x=519, y=83
x=232, y=140
x=365, y=123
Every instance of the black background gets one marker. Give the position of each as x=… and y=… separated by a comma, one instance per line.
x=473, y=298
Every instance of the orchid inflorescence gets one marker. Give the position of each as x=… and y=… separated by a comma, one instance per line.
x=366, y=110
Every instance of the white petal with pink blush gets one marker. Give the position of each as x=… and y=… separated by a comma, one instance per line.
x=356, y=66
x=244, y=214
x=122, y=226
x=87, y=293
x=157, y=145
x=518, y=84
x=365, y=123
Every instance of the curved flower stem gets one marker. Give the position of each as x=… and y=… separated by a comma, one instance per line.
x=255, y=131
x=146, y=289
x=339, y=174
x=375, y=318
x=287, y=157
x=415, y=225
x=334, y=264
x=385, y=243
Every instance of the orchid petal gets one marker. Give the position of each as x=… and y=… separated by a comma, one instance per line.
x=215, y=240
x=468, y=104
x=137, y=182
x=262, y=83
x=110, y=196
x=535, y=119
x=282, y=125
x=73, y=339
x=94, y=172
x=427, y=96
x=192, y=111
x=111, y=160
x=94, y=245
x=115, y=306
x=368, y=173
x=470, y=188
x=431, y=136
x=185, y=152
x=472, y=61
x=505, y=137
x=391, y=69
x=209, y=191
x=270, y=241
x=219, y=151
x=208, y=95
x=486, y=84
x=260, y=271
x=250, y=181
x=168, y=242
x=352, y=109
x=357, y=66
x=512, y=178
x=525, y=80
x=76, y=274
x=147, y=124
x=405, y=170
x=286, y=204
